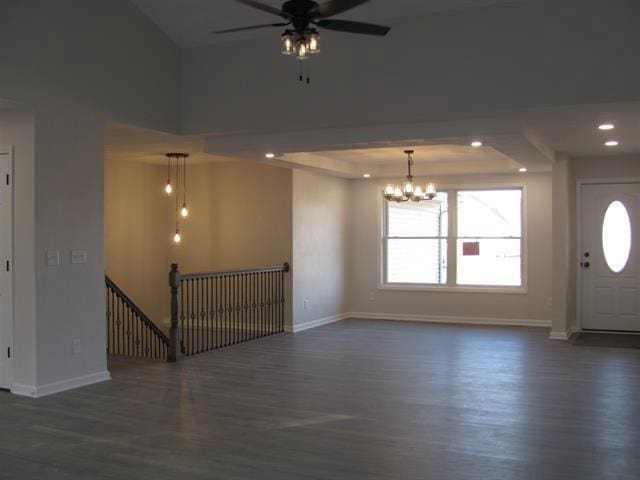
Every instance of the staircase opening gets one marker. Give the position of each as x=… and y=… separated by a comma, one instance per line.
x=238, y=227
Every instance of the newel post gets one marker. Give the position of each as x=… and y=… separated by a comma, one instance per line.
x=174, y=333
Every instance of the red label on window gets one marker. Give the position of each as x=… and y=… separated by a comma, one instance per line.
x=471, y=249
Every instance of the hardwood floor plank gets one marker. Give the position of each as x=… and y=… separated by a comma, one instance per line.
x=353, y=400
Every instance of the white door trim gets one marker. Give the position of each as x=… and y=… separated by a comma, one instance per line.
x=7, y=329
x=578, y=233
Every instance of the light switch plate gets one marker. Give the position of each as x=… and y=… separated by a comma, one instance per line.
x=53, y=258
x=78, y=256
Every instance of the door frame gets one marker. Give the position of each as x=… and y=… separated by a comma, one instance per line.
x=10, y=327
x=580, y=183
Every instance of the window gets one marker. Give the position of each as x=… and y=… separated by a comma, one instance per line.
x=416, y=241
x=483, y=248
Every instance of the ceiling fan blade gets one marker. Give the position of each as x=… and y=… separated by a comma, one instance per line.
x=334, y=7
x=264, y=8
x=254, y=27
x=353, y=27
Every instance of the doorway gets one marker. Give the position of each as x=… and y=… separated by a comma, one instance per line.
x=6, y=267
x=610, y=254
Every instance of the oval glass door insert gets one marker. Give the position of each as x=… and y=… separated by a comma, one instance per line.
x=616, y=236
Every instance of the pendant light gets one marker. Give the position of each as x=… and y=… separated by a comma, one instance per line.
x=408, y=191
x=180, y=212
x=168, y=188
x=184, y=211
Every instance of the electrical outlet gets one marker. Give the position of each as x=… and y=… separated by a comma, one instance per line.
x=549, y=302
x=306, y=303
x=76, y=346
x=372, y=296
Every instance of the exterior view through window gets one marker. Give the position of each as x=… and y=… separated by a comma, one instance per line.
x=482, y=248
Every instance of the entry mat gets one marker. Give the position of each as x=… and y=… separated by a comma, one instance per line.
x=613, y=340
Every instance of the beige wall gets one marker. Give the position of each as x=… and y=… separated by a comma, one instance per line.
x=240, y=217
x=137, y=233
x=320, y=229
x=365, y=239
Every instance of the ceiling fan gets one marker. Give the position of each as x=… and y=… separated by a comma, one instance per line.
x=302, y=38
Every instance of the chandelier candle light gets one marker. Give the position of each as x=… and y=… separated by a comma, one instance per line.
x=408, y=191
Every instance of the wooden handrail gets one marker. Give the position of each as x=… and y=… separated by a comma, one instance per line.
x=190, y=276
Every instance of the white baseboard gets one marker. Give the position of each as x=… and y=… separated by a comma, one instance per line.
x=316, y=323
x=511, y=322
x=560, y=336
x=57, y=387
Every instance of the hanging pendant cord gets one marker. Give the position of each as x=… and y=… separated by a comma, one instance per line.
x=184, y=180
x=177, y=192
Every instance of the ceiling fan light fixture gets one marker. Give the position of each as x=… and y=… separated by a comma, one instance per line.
x=301, y=49
x=313, y=42
x=288, y=43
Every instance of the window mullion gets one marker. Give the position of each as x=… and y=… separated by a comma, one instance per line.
x=452, y=258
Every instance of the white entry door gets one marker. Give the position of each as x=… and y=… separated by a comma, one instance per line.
x=6, y=268
x=610, y=257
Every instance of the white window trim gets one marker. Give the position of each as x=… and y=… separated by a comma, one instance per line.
x=451, y=287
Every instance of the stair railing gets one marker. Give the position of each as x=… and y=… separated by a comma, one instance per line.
x=216, y=309
x=129, y=331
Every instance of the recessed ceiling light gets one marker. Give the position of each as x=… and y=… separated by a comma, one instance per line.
x=367, y=175
x=612, y=143
x=606, y=126
x=476, y=143
x=270, y=155
x=522, y=170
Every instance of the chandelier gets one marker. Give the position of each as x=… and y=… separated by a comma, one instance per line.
x=300, y=44
x=408, y=191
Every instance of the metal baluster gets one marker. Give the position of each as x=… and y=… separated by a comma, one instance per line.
x=225, y=301
x=244, y=308
x=218, y=314
x=256, y=308
x=182, y=319
x=199, y=331
x=260, y=307
x=190, y=310
x=236, y=302
x=272, y=305
x=207, y=312
x=280, y=302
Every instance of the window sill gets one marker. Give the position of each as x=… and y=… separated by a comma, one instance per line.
x=409, y=287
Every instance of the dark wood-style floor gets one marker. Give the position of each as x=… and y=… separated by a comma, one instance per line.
x=353, y=400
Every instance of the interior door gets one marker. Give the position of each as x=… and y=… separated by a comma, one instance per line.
x=6, y=268
x=610, y=256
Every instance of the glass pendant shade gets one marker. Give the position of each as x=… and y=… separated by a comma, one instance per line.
x=313, y=43
x=168, y=188
x=184, y=212
x=288, y=43
x=301, y=50
x=177, y=238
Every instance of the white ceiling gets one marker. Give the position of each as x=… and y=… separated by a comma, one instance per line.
x=190, y=22
x=441, y=148
x=574, y=130
x=123, y=142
